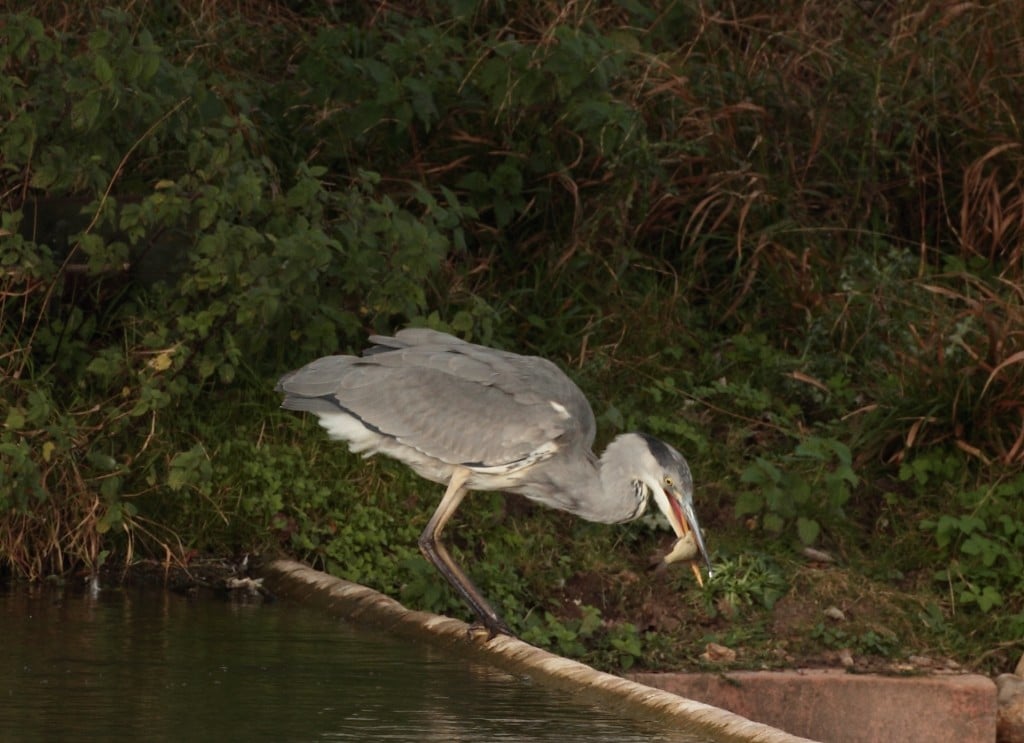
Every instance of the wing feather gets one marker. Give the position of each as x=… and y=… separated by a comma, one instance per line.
x=455, y=401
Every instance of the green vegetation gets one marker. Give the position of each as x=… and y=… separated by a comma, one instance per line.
x=790, y=243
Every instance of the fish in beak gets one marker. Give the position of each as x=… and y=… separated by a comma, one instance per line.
x=689, y=545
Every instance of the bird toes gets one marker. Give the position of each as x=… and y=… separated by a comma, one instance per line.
x=488, y=629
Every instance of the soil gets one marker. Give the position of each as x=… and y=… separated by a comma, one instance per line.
x=828, y=617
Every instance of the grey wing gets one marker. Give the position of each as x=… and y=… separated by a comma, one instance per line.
x=413, y=337
x=452, y=400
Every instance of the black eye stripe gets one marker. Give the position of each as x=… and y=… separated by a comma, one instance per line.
x=659, y=449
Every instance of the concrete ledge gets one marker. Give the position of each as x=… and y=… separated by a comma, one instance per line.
x=365, y=606
x=840, y=707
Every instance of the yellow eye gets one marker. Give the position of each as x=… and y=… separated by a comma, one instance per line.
x=668, y=481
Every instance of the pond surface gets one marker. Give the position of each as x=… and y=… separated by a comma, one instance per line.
x=132, y=664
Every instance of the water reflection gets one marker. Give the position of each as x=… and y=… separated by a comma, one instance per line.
x=153, y=665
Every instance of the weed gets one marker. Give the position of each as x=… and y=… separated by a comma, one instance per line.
x=868, y=642
x=983, y=547
x=748, y=579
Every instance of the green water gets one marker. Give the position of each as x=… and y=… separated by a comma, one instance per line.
x=126, y=664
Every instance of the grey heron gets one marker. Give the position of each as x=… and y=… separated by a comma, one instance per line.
x=476, y=418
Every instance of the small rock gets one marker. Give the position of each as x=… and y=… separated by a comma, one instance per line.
x=715, y=653
x=817, y=555
x=1010, y=724
x=846, y=657
x=835, y=613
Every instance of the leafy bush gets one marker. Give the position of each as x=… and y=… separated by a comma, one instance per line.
x=178, y=249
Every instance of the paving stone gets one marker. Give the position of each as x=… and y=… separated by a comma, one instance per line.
x=839, y=707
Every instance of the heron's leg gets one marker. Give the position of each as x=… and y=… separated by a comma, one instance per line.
x=435, y=551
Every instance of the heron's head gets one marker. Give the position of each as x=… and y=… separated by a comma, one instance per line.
x=667, y=477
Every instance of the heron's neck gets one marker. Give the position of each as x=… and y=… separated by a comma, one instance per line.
x=605, y=490
x=624, y=496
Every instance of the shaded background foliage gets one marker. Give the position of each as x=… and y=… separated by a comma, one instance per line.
x=789, y=241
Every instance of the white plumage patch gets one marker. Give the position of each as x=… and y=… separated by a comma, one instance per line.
x=560, y=409
x=344, y=427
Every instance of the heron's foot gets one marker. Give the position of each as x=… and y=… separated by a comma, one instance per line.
x=490, y=627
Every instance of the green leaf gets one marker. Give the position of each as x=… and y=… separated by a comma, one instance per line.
x=808, y=530
x=761, y=472
x=989, y=598
x=101, y=68
x=749, y=502
x=86, y=110
x=15, y=419
x=190, y=469
x=101, y=461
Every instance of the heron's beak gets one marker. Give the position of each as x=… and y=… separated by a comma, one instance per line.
x=684, y=522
